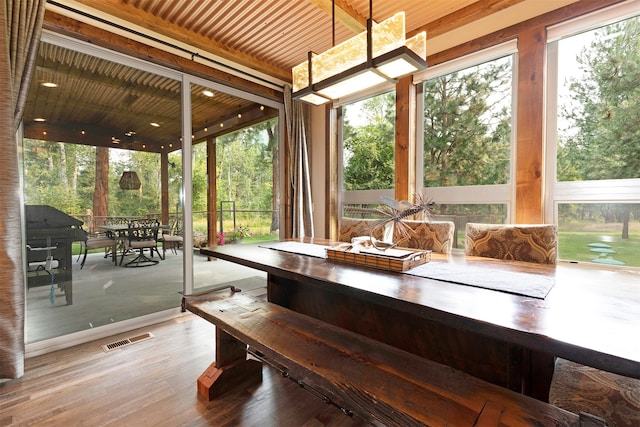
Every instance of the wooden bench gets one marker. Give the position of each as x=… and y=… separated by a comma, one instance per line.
x=365, y=378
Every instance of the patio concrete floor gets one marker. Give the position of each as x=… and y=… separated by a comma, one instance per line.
x=105, y=293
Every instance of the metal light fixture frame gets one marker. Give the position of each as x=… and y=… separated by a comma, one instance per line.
x=312, y=92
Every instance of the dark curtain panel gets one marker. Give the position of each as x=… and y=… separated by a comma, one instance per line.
x=300, y=183
x=22, y=23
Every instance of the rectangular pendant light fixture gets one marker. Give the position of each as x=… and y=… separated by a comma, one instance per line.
x=377, y=55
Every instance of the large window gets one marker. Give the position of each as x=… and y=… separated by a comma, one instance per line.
x=368, y=143
x=368, y=147
x=467, y=126
x=594, y=136
x=466, y=137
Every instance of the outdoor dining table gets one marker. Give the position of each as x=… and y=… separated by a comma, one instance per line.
x=119, y=232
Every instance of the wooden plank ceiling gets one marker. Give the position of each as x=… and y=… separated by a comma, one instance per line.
x=266, y=36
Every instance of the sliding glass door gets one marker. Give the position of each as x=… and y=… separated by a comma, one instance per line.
x=235, y=190
x=104, y=148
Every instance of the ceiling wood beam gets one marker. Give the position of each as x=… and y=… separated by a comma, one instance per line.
x=232, y=123
x=126, y=12
x=473, y=12
x=84, y=134
x=345, y=14
x=73, y=28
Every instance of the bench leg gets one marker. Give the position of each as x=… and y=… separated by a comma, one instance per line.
x=231, y=369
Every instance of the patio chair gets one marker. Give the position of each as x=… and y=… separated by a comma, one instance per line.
x=141, y=235
x=98, y=241
x=172, y=240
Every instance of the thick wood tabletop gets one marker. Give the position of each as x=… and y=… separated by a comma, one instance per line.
x=590, y=316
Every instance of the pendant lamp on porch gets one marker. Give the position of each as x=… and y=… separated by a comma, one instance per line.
x=130, y=181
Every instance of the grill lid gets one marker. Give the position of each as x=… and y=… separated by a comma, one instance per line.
x=43, y=216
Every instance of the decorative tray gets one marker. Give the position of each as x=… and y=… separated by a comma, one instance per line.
x=396, y=259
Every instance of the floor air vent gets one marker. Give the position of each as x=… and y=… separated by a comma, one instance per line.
x=126, y=342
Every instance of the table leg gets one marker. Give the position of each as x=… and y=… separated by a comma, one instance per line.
x=231, y=369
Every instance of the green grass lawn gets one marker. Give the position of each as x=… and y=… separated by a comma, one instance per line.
x=574, y=246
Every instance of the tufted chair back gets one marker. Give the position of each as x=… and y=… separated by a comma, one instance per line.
x=520, y=242
x=433, y=235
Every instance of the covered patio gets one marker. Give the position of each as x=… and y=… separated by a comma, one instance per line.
x=105, y=294
x=78, y=97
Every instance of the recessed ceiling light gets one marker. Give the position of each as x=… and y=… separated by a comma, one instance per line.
x=49, y=84
x=208, y=93
x=39, y=119
x=155, y=125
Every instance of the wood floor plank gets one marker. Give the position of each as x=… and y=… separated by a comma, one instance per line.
x=153, y=383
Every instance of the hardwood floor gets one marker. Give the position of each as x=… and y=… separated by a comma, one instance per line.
x=152, y=383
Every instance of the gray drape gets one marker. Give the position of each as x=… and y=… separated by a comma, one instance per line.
x=300, y=183
x=22, y=23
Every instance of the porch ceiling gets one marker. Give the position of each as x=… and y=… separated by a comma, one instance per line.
x=99, y=101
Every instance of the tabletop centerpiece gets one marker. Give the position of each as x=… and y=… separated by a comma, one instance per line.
x=385, y=253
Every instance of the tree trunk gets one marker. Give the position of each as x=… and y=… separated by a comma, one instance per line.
x=63, y=167
x=75, y=173
x=625, y=211
x=101, y=192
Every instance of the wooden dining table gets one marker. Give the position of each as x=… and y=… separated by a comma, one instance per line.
x=590, y=315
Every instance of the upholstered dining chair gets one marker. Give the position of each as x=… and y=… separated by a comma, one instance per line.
x=519, y=242
x=356, y=227
x=578, y=388
x=436, y=236
x=141, y=235
x=574, y=387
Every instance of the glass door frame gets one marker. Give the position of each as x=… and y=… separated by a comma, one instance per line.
x=63, y=341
